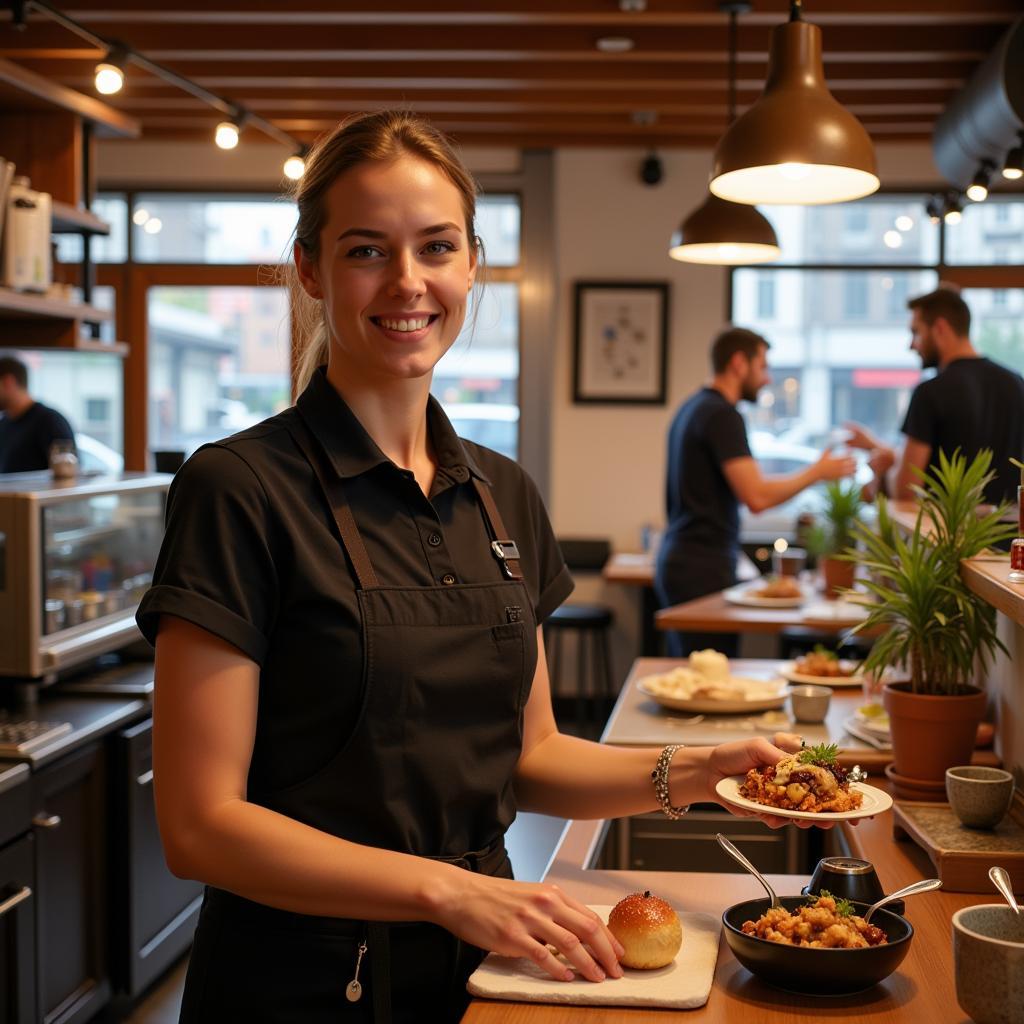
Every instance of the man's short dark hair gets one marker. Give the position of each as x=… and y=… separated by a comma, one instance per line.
x=948, y=304
x=16, y=368
x=733, y=340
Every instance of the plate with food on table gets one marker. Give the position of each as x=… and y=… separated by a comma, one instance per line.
x=822, y=667
x=808, y=784
x=705, y=685
x=768, y=592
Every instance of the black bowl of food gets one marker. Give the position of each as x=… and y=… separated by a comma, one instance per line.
x=851, y=958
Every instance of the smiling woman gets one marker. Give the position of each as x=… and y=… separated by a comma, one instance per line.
x=352, y=701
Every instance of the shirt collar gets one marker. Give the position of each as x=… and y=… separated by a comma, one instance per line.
x=350, y=448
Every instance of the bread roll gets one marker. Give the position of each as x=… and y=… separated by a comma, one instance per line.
x=648, y=929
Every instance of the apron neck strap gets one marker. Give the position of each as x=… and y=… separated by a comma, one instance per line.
x=334, y=491
x=502, y=545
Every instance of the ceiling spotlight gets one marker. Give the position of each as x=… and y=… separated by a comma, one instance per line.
x=954, y=205
x=226, y=135
x=295, y=165
x=651, y=170
x=904, y=222
x=1014, y=166
x=892, y=238
x=934, y=209
x=110, y=71
x=140, y=216
x=977, y=191
x=153, y=226
x=615, y=44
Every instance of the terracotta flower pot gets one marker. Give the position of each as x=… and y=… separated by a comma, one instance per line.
x=837, y=575
x=931, y=734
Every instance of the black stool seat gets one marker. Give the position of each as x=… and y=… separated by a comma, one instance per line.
x=581, y=616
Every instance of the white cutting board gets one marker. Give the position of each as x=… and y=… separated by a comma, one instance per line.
x=683, y=985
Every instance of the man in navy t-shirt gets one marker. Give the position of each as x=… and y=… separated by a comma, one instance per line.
x=972, y=403
x=710, y=472
x=27, y=427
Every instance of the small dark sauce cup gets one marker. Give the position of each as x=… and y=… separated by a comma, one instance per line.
x=850, y=879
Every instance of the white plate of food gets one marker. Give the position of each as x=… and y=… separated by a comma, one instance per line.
x=823, y=668
x=875, y=801
x=735, y=695
x=781, y=592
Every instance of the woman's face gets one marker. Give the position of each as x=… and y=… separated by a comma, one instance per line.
x=395, y=268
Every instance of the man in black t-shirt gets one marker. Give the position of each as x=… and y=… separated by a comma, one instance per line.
x=972, y=403
x=710, y=472
x=27, y=427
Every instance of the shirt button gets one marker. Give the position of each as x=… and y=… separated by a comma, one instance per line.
x=434, y=540
x=447, y=579
x=460, y=473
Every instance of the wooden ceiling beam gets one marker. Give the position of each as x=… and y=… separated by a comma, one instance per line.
x=530, y=12
x=227, y=42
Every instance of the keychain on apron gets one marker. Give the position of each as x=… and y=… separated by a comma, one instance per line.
x=354, y=989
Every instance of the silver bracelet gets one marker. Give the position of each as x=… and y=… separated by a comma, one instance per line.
x=659, y=776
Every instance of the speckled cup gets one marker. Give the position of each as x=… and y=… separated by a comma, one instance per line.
x=809, y=703
x=988, y=963
x=979, y=797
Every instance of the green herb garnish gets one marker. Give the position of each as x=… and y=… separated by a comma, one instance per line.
x=844, y=908
x=826, y=653
x=823, y=752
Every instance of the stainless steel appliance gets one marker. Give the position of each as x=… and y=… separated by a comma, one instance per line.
x=75, y=559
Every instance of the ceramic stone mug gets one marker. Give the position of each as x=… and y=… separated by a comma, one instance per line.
x=979, y=796
x=988, y=963
x=809, y=703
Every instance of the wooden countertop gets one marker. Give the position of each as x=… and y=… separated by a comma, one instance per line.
x=921, y=990
x=633, y=568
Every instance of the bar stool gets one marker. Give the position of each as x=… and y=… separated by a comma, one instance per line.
x=591, y=625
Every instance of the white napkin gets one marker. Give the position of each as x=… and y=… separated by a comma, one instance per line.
x=683, y=985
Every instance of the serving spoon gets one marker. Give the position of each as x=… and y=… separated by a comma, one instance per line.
x=1001, y=880
x=926, y=885
x=726, y=845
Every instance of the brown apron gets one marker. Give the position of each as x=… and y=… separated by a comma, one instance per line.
x=427, y=770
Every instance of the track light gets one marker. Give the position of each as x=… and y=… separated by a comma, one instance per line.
x=954, y=205
x=1014, y=166
x=977, y=191
x=934, y=209
x=110, y=71
x=226, y=135
x=295, y=165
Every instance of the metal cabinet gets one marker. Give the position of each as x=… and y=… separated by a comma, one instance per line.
x=154, y=913
x=69, y=828
x=17, y=899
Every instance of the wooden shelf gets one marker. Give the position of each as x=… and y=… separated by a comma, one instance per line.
x=26, y=306
x=67, y=219
x=22, y=89
x=113, y=348
x=987, y=578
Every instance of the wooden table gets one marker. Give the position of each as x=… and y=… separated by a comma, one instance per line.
x=921, y=990
x=639, y=721
x=713, y=614
x=636, y=569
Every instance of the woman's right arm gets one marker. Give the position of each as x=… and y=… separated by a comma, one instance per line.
x=204, y=721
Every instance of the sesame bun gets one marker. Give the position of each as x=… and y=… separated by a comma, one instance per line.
x=648, y=929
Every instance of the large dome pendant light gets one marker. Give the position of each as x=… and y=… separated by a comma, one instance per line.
x=796, y=144
x=719, y=232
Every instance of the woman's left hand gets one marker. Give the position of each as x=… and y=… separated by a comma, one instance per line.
x=738, y=758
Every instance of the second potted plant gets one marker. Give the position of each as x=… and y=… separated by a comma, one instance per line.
x=828, y=540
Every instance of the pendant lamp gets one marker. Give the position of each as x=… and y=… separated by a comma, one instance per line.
x=796, y=144
x=719, y=232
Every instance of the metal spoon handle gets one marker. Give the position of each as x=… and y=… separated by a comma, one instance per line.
x=740, y=859
x=1001, y=880
x=926, y=885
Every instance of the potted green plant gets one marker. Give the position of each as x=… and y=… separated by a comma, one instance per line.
x=829, y=539
x=933, y=629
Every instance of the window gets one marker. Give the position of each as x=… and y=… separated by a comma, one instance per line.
x=766, y=297
x=112, y=248
x=855, y=297
x=97, y=410
x=989, y=233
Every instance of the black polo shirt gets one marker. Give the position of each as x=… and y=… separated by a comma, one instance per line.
x=25, y=441
x=251, y=555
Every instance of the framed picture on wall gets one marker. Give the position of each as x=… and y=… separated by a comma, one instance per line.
x=621, y=342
